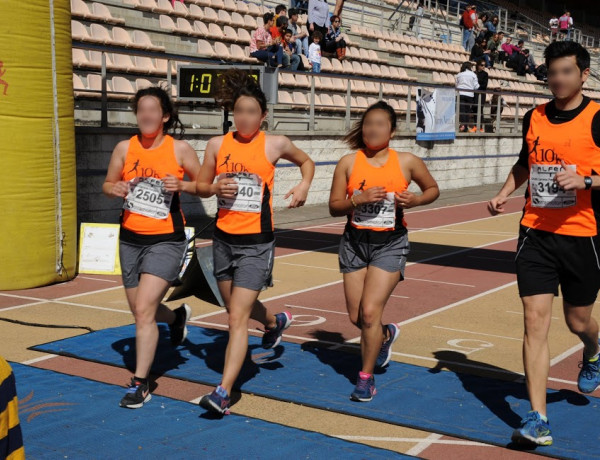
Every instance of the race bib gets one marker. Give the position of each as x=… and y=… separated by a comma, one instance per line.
x=545, y=193
x=249, y=194
x=380, y=215
x=147, y=196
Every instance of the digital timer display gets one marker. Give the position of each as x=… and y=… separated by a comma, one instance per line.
x=200, y=82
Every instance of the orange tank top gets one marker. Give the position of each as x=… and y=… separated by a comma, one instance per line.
x=153, y=163
x=547, y=207
x=251, y=212
x=364, y=175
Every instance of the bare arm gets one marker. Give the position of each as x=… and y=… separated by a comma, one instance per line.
x=339, y=203
x=190, y=164
x=204, y=181
x=288, y=151
x=423, y=178
x=113, y=186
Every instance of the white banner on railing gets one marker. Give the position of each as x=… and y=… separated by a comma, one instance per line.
x=436, y=111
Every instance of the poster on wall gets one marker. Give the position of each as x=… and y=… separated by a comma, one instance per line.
x=99, y=249
x=436, y=111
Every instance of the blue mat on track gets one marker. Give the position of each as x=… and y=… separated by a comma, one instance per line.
x=452, y=403
x=64, y=416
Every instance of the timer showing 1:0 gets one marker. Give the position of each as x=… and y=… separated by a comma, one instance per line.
x=202, y=83
x=199, y=83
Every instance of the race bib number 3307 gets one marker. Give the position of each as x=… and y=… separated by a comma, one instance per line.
x=147, y=196
x=380, y=215
x=249, y=193
x=545, y=192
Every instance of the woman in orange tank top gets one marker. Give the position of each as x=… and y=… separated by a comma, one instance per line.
x=147, y=172
x=243, y=163
x=370, y=187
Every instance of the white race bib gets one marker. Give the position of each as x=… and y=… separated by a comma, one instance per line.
x=147, y=196
x=381, y=214
x=249, y=194
x=545, y=193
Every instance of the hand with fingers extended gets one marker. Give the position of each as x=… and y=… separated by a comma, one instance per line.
x=370, y=195
x=298, y=194
x=225, y=188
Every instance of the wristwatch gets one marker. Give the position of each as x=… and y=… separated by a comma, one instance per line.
x=587, y=180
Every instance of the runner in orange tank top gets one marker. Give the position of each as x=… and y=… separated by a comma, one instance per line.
x=147, y=171
x=558, y=239
x=243, y=163
x=371, y=188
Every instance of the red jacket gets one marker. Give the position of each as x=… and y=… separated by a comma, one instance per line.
x=467, y=20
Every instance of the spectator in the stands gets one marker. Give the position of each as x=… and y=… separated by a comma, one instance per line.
x=318, y=17
x=277, y=31
x=468, y=21
x=479, y=102
x=299, y=38
x=492, y=26
x=530, y=62
x=314, y=52
x=262, y=46
x=466, y=83
x=480, y=28
x=565, y=24
x=300, y=5
x=492, y=45
x=335, y=40
x=290, y=57
x=480, y=51
x=506, y=50
x=280, y=10
x=553, y=23
x=416, y=18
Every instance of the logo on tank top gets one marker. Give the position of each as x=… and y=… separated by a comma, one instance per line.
x=361, y=185
x=541, y=154
x=141, y=171
x=232, y=166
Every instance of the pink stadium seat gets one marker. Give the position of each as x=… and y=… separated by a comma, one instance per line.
x=243, y=36
x=230, y=5
x=101, y=11
x=254, y=10
x=283, y=97
x=79, y=31
x=326, y=65
x=300, y=98
x=166, y=23
x=148, y=5
x=250, y=22
x=142, y=83
x=237, y=20
x=217, y=4
x=238, y=53
x=122, y=86
x=142, y=40
x=302, y=81
x=96, y=59
x=123, y=63
x=196, y=12
x=286, y=79
x=204, y=49
x=201, y=29
x=164, y=6
x=224, y=17
x=210, y=15
x=144, y=64
x=80, y=60
x=121, y=37
x=184, y=27
x=230, y=34
x=100, y=34
x=181, y=10
x=80, y=9
x=242, y=8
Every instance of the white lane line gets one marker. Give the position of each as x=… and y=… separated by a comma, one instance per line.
x=565, y=354
x=428, y=440
x=39, y=358
x=283, y=256
x=440, y=282
x=60, y=302
x=424, y=444
x=521, y=313
x=96, y=279
x=310, y=266
x=316, y=309
x=478, y=333
x=399, y=296
x=457, y=205
x=16, y=296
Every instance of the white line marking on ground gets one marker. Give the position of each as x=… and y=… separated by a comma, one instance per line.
x=429, y=440
x=441, y=282
x=96, y=279
x=478, y=333
x=399, y=296
x=521, y=313
x=39, y=358
x=310, y=266
x=565, y=354
x=316, y=309
x=424, y=444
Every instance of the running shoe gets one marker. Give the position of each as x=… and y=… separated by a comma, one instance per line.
x=215, y=402
x=385, y=353
x=137, y=395
x=178, y=329
x=589, y=375
x=272, y=337
x=364, y=390
x=533, y=430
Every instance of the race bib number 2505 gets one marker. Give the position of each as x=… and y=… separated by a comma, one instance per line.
x=147, y=196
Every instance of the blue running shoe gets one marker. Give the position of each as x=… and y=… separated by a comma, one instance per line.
x=385, y=353
x=533, y=430
x=215, y=402
x=364, y=390
x=272, y=337
x=589, y=375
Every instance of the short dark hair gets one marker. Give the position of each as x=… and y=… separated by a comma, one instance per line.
x=354, y=137
x=288, y=31
x=567, y=48
x=268, y=17
x=520, y=42
x=280, y=8
x=317, y=34
x=281, y=21
x=481, y=61
x=292, y=12
x=466, y=66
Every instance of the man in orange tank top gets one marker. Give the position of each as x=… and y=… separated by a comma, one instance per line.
x=558, y=240
x=370, y=187
x=147, y=172
x=243, y=164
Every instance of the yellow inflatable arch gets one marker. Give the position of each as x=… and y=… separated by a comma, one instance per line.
x=38, y=212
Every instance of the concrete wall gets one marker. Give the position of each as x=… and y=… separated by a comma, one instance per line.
x=467, y=161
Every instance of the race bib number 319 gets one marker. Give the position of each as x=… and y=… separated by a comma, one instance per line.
x=147, y=196
x=249, y=193
x=376, y=215
x=545, y=192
